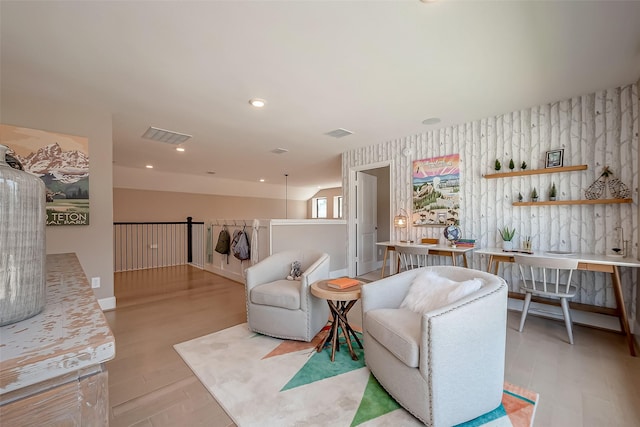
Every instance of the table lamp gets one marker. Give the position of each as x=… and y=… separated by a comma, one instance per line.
x=402, y=221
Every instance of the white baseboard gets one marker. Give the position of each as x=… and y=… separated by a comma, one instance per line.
x=107, y=303
x=577, y=316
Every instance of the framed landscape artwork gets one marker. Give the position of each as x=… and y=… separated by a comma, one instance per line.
x=62, y=162
x=436, y=191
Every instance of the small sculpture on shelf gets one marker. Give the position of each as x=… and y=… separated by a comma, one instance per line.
x=553, y=192
x=523, y=166
x=498, y=165
x=534, y=195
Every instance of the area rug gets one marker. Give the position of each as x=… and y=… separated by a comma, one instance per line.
x=264, y=381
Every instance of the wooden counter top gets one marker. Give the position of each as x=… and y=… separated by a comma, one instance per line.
x=70, y=335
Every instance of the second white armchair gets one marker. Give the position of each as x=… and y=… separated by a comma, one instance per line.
x=284, y=308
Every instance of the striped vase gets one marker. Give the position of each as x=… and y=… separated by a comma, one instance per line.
x=22, y=244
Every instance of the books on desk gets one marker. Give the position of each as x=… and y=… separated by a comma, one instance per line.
x=466, y=243
x=342, y=283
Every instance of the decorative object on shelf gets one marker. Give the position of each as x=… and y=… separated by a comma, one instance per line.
x=617, y=188
x=497, y=165
x=507, y=237
x=452, y=233
x=523, y=166
x=554, y=158
x=511, y=164
x=553, y=192
x=402, y=221
x=534, y=195
x=22, y=246
x=520, y=198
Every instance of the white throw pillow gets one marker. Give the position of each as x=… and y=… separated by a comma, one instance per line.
x=430, y=291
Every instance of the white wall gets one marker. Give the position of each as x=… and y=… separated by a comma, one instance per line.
x=596, y=129
x=92, y=243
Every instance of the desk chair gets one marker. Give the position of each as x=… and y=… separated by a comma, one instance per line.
x=412, y=257
x=541, y=277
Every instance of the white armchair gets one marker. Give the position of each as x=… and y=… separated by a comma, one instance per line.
x=285, y=308
x=445, y=366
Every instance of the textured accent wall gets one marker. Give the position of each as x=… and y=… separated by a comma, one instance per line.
x=597, y=129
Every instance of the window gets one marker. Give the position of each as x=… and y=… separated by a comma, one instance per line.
x=319, y=207
x=337, y=207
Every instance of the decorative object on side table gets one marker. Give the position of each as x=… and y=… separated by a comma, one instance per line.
x=534, y=195
x=22, y=244
x=553, y=192
x=452, y=233
x=507, y=237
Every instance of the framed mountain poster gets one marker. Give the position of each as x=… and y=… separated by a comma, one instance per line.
x=62, y=162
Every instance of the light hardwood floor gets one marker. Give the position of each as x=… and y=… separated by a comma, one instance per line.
x=592, y=383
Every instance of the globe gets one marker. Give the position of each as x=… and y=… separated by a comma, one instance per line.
x=452, y=233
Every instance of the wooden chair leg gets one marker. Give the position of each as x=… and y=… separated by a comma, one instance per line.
x=567, y=318
x=525, y=309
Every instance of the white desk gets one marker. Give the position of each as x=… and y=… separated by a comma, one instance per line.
x=588, y=262
x=434, y=249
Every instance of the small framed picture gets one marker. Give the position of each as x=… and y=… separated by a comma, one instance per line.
x=554, y=158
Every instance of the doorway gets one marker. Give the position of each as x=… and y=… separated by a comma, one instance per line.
x=371, y=218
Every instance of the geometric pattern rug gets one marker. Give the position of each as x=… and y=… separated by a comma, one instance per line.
x=264, y=381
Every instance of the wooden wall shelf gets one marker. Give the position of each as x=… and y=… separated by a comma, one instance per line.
x=536, y=171
x=574, y=202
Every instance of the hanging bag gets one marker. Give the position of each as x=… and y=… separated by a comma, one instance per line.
x=224, y=240
x=240, y=245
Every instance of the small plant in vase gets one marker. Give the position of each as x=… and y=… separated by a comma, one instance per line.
x=553, y=192
x=534, y=195
x=520, y=198
x=498, y=165
x=523, y=166
x=507, y=238
x=511, y=164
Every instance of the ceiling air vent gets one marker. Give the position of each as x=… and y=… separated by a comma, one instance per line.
x=166, y=136
x=279, y=151
x=339, y=133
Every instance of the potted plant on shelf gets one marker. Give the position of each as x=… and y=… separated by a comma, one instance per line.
x=552, y=192
x=523, y=166
x=498, y=165
x=507, y=238
x=520, y=198
x=511, y=164
x=534, y=195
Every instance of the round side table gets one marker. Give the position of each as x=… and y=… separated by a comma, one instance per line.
x=340, y=302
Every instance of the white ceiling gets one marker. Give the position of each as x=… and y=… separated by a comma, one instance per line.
x=376, y=68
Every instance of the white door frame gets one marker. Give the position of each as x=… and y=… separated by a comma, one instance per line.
x=351, y=211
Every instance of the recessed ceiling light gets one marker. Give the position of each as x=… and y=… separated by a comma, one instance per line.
x=431, y=121
x=180, y=149
x=211, y=172
x=257, y=102
x=261, y=180
x=149, y=166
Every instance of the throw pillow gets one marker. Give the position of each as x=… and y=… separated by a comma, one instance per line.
x=430, y=291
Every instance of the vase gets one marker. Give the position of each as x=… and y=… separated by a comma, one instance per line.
x=22, y=244
x=507, y=245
